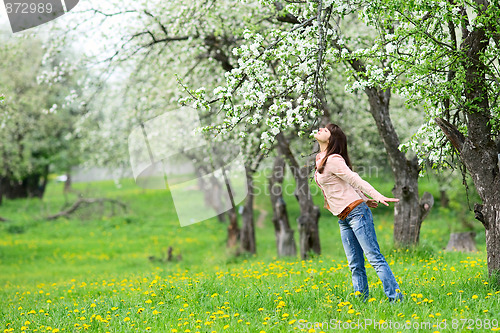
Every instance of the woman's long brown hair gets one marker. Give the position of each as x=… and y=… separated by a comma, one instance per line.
x=337, y=145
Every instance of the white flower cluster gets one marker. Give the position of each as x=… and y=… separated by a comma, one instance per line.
x=279, y=70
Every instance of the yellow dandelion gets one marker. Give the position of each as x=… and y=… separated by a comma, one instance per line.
x=126, y=319
x=474, y=296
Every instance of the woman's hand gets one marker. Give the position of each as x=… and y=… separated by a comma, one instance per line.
x=385, y=200
x=372, y=203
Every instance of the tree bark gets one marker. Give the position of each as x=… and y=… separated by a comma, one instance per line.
x=309, y=213
x=285, y=242
x=247, y=233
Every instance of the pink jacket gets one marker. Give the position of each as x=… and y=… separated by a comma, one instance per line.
x=341, y=185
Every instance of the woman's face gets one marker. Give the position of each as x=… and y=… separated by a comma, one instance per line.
x=322, y=135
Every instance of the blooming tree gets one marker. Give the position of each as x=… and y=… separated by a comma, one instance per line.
x=445, y=59
x=36, y=116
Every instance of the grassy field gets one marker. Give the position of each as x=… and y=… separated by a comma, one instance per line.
x=107, y=274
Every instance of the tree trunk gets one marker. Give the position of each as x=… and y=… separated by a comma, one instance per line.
x=67, y=183
x=410, y=211
x=285, y=242
x=45, y=179
x=14, y=189
x=233, y=231
x=212, y=190
x=28, y=187
x=309, y=213
x=445, y=201
x=1, y=189
x=247, y=233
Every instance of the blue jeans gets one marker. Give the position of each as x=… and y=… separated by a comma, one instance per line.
x=358, y=236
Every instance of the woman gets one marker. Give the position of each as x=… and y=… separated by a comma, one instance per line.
x=343, y=191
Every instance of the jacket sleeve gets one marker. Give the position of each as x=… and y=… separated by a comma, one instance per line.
x=337, y=166
x=362, y=195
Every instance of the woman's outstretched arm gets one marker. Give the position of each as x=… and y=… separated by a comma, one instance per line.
x=337, y=165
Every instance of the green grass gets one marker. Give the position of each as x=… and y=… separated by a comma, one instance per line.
x=93, y=273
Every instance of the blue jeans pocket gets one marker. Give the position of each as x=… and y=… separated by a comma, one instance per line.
x=356, y=216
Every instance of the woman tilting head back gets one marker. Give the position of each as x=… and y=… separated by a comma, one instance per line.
x=345, y=194
x=337, y=144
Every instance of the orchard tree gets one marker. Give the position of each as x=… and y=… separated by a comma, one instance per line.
x=35, y=117
x=445, y=59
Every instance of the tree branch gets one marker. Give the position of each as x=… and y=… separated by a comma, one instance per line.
x=81, y=201
x=456, y=138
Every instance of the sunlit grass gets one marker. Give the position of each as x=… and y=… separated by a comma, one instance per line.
x=96, y=274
